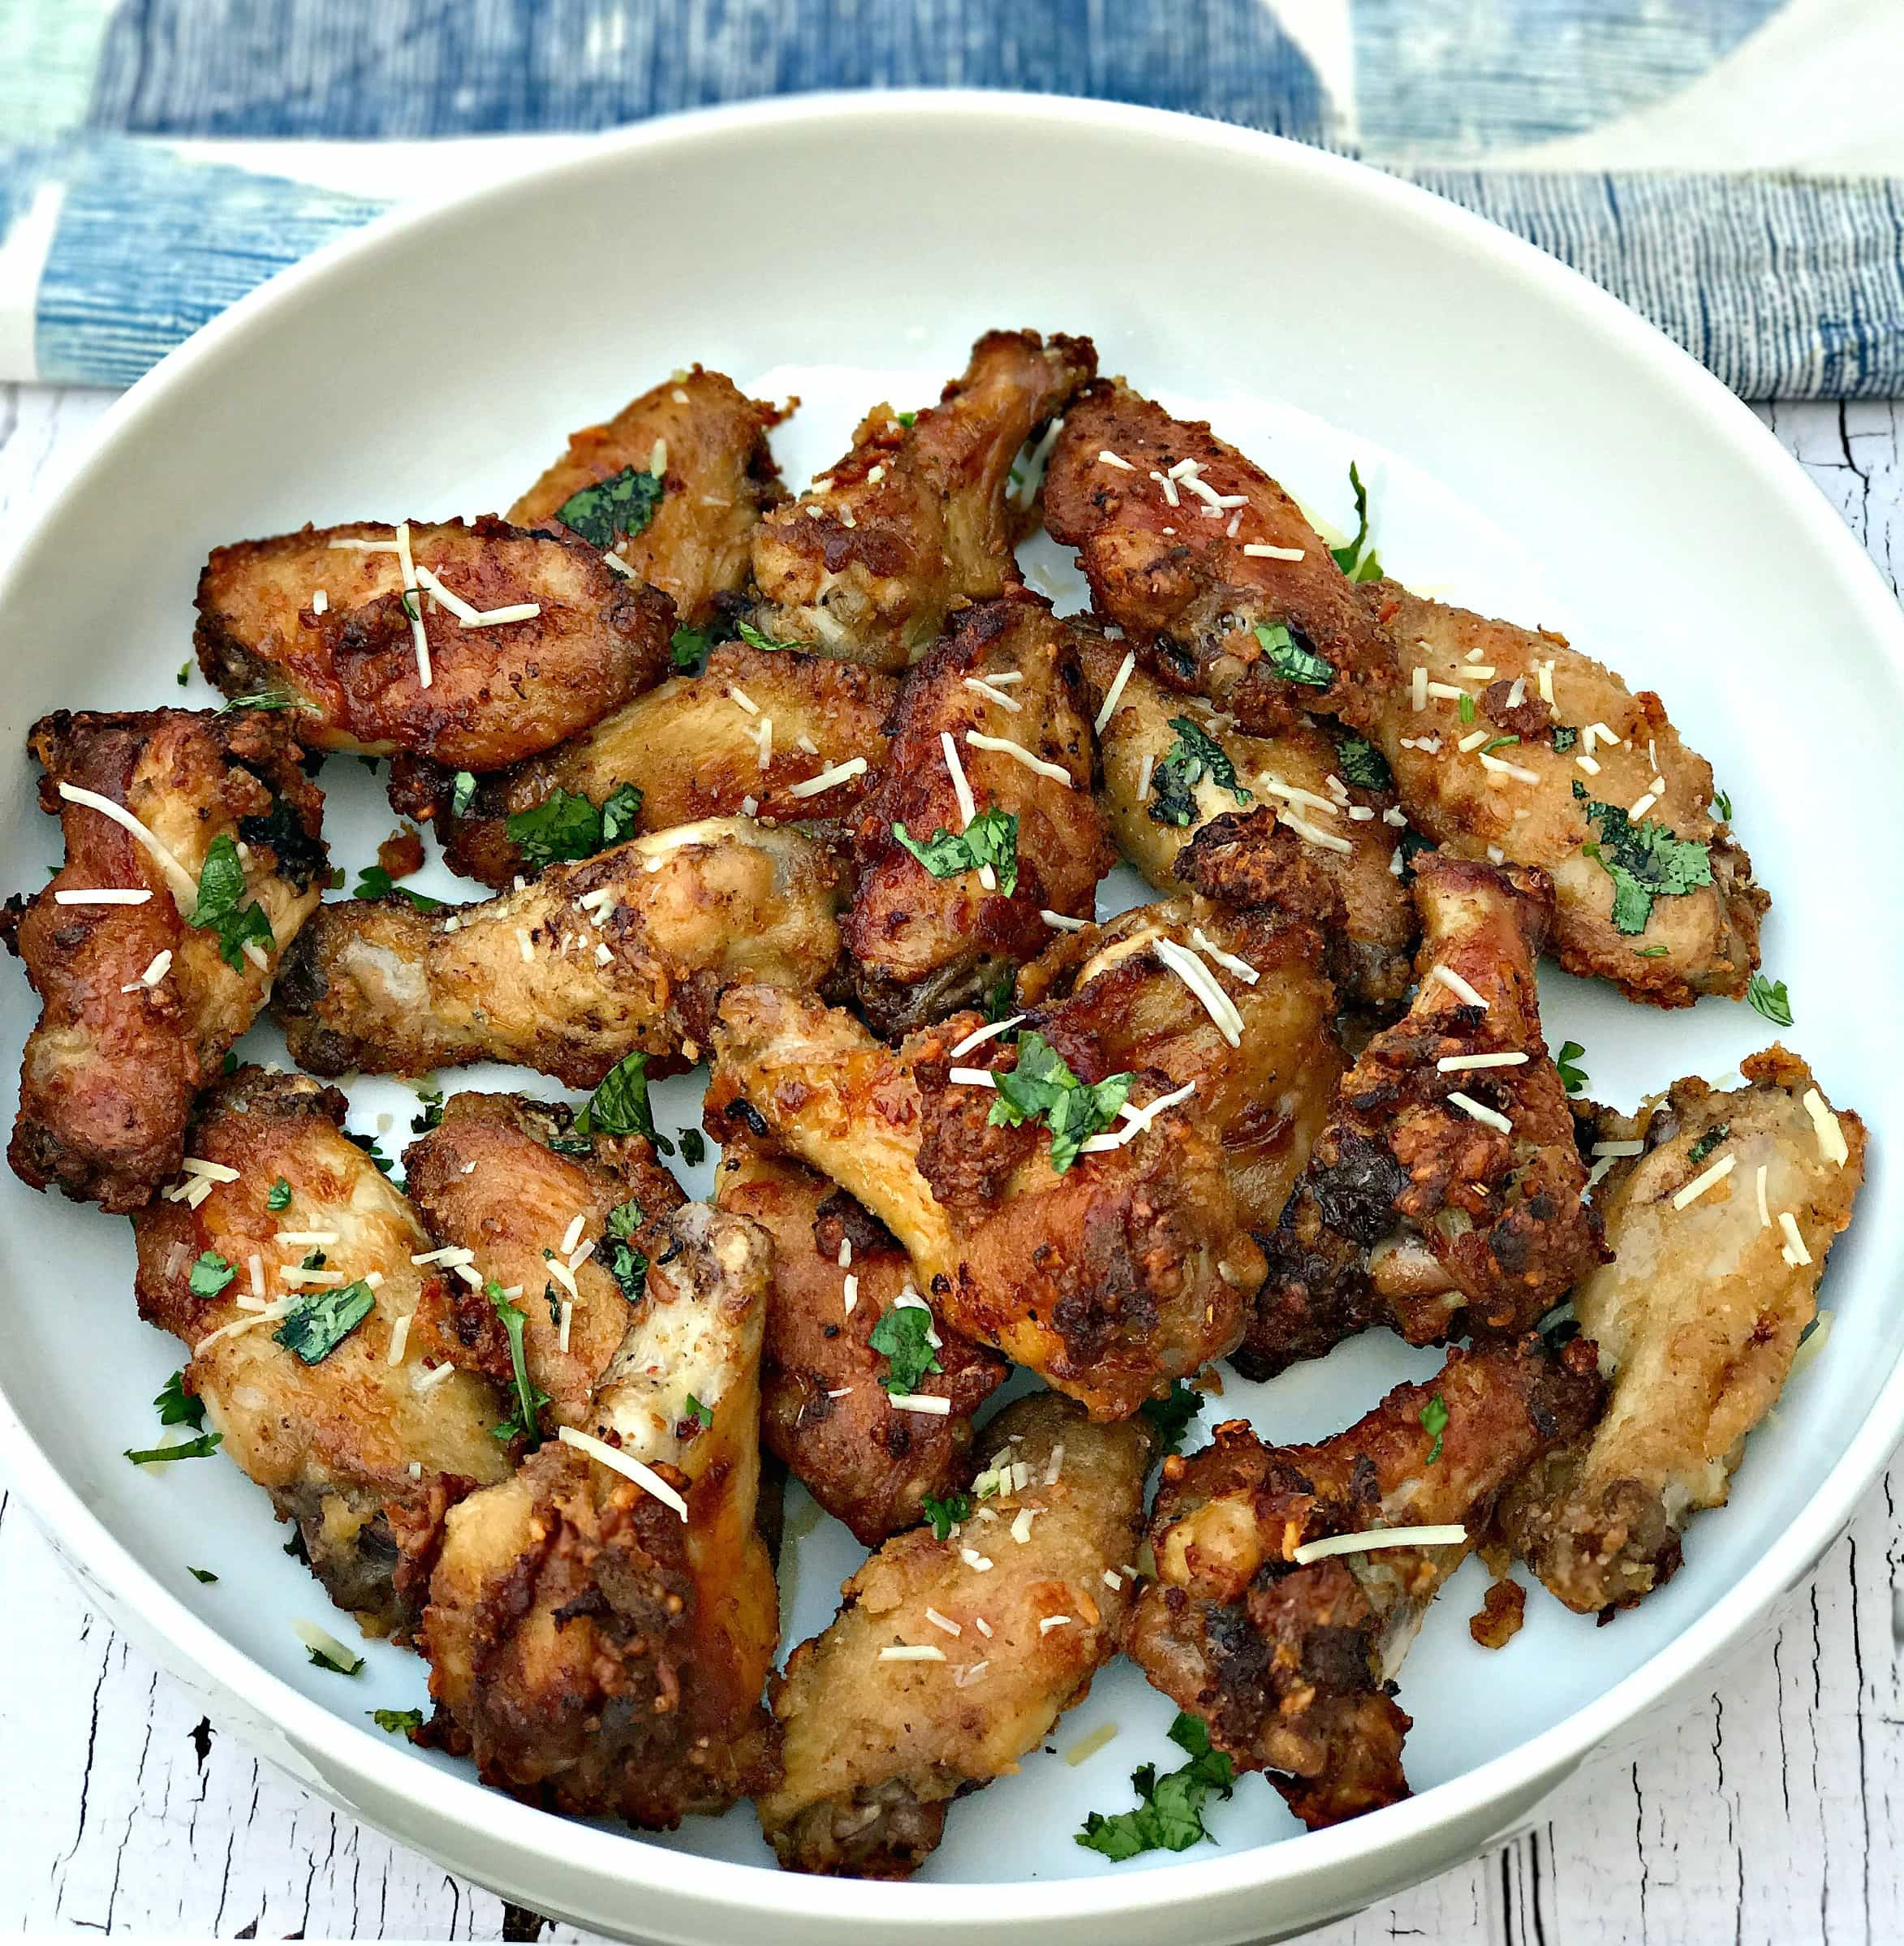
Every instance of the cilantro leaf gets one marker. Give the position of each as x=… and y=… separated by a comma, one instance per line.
x=1434, y=1421
x=625, y=1218
x=462, y=793
x=373, y=882
x=620, y=1105
x=184, y=672
x=1363, y=765
x=530, y=1398
x=220, y=892
x=754, y=638
x=1644, y=860
x=280, y=1196
x=688, y=649
x=1565, y=738
x=696, y=1411
x=1195, y=755
x=1708, y=1141
x=1169, y=1418
x=274, y=696
x=626, y=1264
x=1289, y=659
x=1572, y=1079
x=327, y=1658
x=178, y=1407
x=619, y=507
x=202, y=1448
x=1042, y=1085
x=368, y=1143
x=907, y=420
x=1722, y=803
x=431, y=1102
x=990, y=839
x=203, y=1574
x=1171, y=1816
x=399, y=1723
x=945, y=1514
x=1768, y=997
x=1002, y=998
x=694, y=1146
x=322, y=1320
x=568, y=824
x=900, y=1334
x=1356, y=558
x=209, y=1274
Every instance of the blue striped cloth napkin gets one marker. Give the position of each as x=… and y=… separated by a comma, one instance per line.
x=1733, y=169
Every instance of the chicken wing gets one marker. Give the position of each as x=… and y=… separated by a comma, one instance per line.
x=1565, y=768
x=322, y=1351
x=1697, y=1318
x=1219, y=583
x=868, y=1459
x=672, y=487
x=1291, y=1666
x=950, y=1660
x=991, y=731
x=525, y=638
x=1109, y=1278
x=601, y=1627
x=138, y=1002
x=629, y=950
x=752, y=734
x=505, y=1184
x=1446, y=1193
x=916, y=517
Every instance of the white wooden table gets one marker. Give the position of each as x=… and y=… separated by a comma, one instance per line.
x=1772, y=1814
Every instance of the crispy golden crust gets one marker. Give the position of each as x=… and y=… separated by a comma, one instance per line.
x=692, y=749
x=824, y=1411
x=719, y=478
x=593, y=1651
x=1293, y=1667
x=332, y=1442
x=914, y=520
x=922, y=945
x=1710, y=934
x=1697, y=1318
x=1110, y=1280
x=374, y=984
x=108, y=1075
x=497, y=694
x=1187, y=597
x=875, y=1750
x=486, y=1179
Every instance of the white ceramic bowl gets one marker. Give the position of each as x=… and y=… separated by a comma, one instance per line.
x=1542, y=452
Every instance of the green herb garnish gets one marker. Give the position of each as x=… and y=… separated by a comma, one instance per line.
x=209, y=1274
x=1565, y=738
x=1649, y=951
x=1169, y=1418
x=626, y=1264
x=1708, y=1141
x=1357, y=559
x=696, y=1411
x=1169, y=1818
x=1002, y=998
x=568, y=824
x=900, y=1334
x=203, y=1574
x=202, y=1448
x=1644, y=860
x=1768, y=997
x=754, y=638
x=907, y=420
x=220, y=892
x=178, y=1407
x=1434, y=1420
x=1363, y=765
x=184, y=672
x=530, y=1399
x=990, y=839
x=1497, y=744
x=1572, y=1079
x=620, y=1105
x=327, y=1659
x=694, y=1146
x=279, y=1197
x=322, y=1320
x=430, y=1101
x=276, y=697
x=1465, y=708
x=462, y=793
x=399, y=1723
x=373, y=882
x=620, y=506
x=1043, y=1087
x=1290, y=660
x=945, y=1514
x=1722, y=803
x=687, y=647
x=1195, y=755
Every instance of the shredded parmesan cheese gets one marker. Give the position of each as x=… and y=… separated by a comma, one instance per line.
x=906, y=1651
x=1795, y=1252
x=979, y=687
x=399, y=1341
x=102, y=896
x=1218, y=1004
x=1487, y=1115
x=1109, y=458
x=961, y=789
x=184, y=884
x=1261, y=550
x=943, y=1622
x=1061, y=922
x=919, y=1401
x=1704, y=1181
x=1368, y=1542
x=1458, y=987
x=625, y=1464
x=1047, y=1623
x=980, y=1035
x=1241, y=968
x=1115, y=692
x=1831, y=1138
x=1019, y=755
x=1456, y=1063
x=834, y=773
x=1764, y=1214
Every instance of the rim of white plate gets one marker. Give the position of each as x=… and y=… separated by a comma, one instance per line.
x=742, y=1887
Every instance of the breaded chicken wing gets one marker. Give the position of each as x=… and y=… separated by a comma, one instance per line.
x=1035, y=1588
x=1651, y=892
x=322, y=1351
x=916, y=518
x=1293, y=1666
x=1697, y=1318
x=628, y=950
x=138, y=1004
x=599, y=1642
x=1110, y=1278
x=1446, y=1193
x=328, y=618
x=1164, y=517
x=694, y=748
x=672, y=487
x=928, y=936
x=868, y=1459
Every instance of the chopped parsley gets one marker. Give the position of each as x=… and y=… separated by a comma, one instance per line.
x=945, y=1514
x=1002, y=999
x=569, y=824
x=1649, y=951
x=397, y=1723
x=1465, y=708
x=368, y=1143
x=1434, y=1421
x=619, y=507
x=990, y=839
x=696, y=1411
x=229, y=1065
x=694, y=1147
x=1363, y=765
x=1356, y=558
x=907, y=420
x=202, y=1448
x=275, y=697
x=754, y=639
x=209, y=1274
x=1722, y=803
x=322, y=1320
x=1497, y=744
x=280, y=1196
x=900, y=1334
x=1169, y=1418
x=530, y=1398
x=1708, y=1141
x=1289, y=659
x=1644, y=860
x=1042, y=1086
x=1573, y=1078
x=1195, y=755
x=462, y=793
x=1169, y=1818
x=1769, y=997
x=687, y=647
x=626, y=1264
x=373, y=882
x=620, y=1105
x=1565, y=738
x=203, y=1574
x=184, y=672
x=220, y=907
x=430, y=1101
x=327, y=1658
x=178, y=1407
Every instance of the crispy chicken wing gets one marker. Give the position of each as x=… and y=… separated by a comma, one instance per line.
x=364, y=1448
x=627, y=950
x=837, y=1270
x=1697, y=1318
x=1036, y=1589
x=597, y=1650
x=916, y=518
x=137, y=1003
x=705, y=441
x=1444, y=1198
x=923, y=939
x=1293, y=1667
x=1650, y=891
x=1266, y=637
x=322, y=617
x=1123, y=1271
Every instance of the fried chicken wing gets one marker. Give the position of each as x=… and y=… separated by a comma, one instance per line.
x=704, y=442
x=628, y=950
x=1293, y=1666
x=1697, y=1318
x=1124, y=1271
x=1166, y=547
x=138, y=1005
x=351, y=1435
x=1444, y=1198
x=1034, y=1584
x=916, y=518
x=925, y=939
x=837, y=1270
x=505, y=1178
x=326, y=618
x=1651, y=891
x=693, y=748
x=599, y=1648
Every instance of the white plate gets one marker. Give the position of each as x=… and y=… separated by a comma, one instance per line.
x=1541, y=453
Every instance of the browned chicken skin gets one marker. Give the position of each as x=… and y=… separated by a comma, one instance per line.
x=349, y=663
x=137, y=1005
x=1293, y=1667
x=915, y=519
x=922, y=944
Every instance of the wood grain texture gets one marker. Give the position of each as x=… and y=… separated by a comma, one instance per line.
x=1769, y=1814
